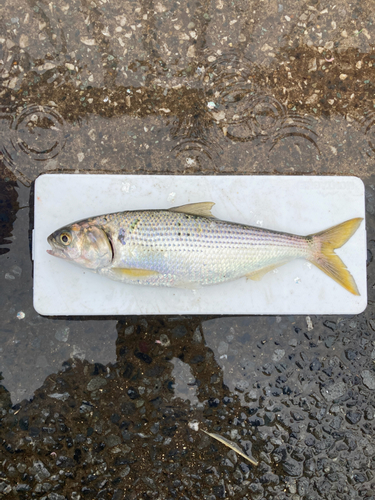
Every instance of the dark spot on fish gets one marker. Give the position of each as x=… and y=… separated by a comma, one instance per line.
x=310, y=240
x=133, y=225
x=187, y=234
x=122, y=236
x=178, y=234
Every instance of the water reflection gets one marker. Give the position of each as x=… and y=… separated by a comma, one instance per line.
x=199, y=360
x=251, y=380
x=8, y=208
x=184, y=381
x=32, y=346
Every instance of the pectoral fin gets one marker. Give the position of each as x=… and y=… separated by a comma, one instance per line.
x=133, y=273
x=202, y=209
x=258, y=275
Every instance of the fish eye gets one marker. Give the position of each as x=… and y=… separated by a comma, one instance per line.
x=65, y=238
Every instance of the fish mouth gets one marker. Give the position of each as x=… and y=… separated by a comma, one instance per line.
x=57, y=253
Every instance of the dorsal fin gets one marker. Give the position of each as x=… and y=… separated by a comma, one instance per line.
x=203, y=209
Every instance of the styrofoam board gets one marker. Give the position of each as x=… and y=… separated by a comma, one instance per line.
x=301, y=205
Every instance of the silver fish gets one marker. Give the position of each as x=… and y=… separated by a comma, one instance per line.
x=188, y=247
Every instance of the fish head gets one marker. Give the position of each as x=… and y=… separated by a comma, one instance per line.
x=82, y=243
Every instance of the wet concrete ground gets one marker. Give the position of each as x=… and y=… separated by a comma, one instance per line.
x=96, y=408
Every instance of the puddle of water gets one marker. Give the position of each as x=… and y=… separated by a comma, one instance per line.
x=114, y=407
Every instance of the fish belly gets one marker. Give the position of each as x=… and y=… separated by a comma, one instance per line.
x=190, y=251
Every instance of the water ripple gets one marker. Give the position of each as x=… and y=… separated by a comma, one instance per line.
x=34, y=135
x=295, y=125
x=261, y=118
x=195, y=142
x=244, y=111
x=196, y=152
x=39, y=132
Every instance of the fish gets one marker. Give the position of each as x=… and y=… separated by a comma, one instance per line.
x=187, y=247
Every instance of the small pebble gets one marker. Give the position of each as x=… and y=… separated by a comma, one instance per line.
x=60, y=396
x=334, y=391
x=370, y=413
x=62, y=334
x=96, y=383
x=368, y=378
x=278, y=355
x=194, y=425
x=197, y=336
x=129, y=330
x=330, y=340
x=268, y=368
x=309, y=323
x=353, y=416
x=315, y=365
x=351, y=354
x=164, y=340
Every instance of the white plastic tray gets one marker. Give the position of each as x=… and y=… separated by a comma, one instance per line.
x=301, y=205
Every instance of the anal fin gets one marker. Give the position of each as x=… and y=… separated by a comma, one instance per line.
x=258, y=275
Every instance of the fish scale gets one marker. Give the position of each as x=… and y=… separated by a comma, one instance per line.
x=185, y=249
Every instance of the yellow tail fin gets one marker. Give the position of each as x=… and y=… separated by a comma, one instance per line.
x=324, y=257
